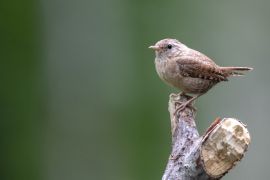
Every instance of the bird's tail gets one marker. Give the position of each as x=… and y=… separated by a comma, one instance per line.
x=235, y=71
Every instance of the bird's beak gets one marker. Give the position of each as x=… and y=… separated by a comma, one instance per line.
x=154, y=47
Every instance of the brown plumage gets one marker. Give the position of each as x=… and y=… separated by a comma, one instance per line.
x=188, y=69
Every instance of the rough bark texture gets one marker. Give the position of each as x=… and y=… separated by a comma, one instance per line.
x=207, y=157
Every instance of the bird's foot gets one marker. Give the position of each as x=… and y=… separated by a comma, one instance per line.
x=181, y=106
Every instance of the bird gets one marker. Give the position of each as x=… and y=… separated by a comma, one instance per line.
x=189, y=70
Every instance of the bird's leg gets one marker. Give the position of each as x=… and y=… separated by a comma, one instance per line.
x=185, y=104
x=181, y=94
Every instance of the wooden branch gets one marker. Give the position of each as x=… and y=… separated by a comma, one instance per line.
x=207, y=157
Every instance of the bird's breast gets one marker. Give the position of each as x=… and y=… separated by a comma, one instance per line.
x=169, y=73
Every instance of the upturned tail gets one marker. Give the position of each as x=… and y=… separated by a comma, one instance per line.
x=235, y=71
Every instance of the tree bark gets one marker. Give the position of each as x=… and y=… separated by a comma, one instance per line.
x=206, y=157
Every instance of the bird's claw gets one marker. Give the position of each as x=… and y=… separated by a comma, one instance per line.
x=179, y=109
x=182, y=107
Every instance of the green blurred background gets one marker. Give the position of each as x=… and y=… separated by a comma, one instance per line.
x=80, y=98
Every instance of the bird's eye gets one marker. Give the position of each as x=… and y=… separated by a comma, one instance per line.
x=169, y=46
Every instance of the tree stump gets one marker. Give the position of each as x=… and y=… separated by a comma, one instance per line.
x=205, y=157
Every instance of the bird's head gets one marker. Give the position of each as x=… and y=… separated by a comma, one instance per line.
x=168, y=48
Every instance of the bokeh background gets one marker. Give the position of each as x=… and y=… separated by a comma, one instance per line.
x=80, y=98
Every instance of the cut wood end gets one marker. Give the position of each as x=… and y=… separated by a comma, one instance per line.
x=224, y=146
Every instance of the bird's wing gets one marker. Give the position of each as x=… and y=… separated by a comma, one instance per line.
x=197, y=65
